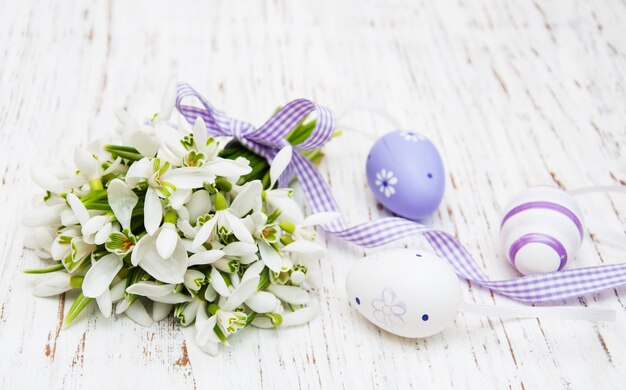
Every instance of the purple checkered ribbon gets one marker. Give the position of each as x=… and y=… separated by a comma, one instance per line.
x=268, y=139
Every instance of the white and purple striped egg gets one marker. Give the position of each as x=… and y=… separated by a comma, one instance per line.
x=406, y=174
x=542, y=229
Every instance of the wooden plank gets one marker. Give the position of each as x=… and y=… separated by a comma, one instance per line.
x=513, y=93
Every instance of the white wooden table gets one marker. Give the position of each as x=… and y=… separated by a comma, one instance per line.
x=514, y=93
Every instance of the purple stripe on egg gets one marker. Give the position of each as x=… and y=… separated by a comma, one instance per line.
x=545, y=205
x=539, y=238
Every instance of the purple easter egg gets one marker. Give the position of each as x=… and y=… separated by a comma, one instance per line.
x=405, y=171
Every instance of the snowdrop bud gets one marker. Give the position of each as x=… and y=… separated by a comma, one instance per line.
x=219, y=201
x=297, y=277
x=286, y=240
x=288, y=227
x=52, y=284
x=263, y=302
x=290, y=294
x=300, y=316
x=160, y=311
x=166, y=240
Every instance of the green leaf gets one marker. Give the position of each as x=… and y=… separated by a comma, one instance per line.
x=264, y=279
x=126, y=152
x=219, y=334
x=79, y=304
x=44, y=270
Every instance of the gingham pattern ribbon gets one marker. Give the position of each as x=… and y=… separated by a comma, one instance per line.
x=268, y=139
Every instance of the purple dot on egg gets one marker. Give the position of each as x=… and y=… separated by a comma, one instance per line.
x=418, y=255
x=425, y=317
x=430, y=175
x=358, y=301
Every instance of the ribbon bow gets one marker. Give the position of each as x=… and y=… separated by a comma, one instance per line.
x=268, y=139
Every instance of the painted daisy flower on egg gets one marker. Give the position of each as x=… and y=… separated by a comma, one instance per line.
x=412, y=136
x=385, y=180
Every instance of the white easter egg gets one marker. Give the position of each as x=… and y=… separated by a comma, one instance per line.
x=410, y=293
x=542, y=229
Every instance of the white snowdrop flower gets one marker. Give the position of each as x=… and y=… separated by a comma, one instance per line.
x=203, y=257
x=162, y=181
x=147, y=255
x=105, y=303
x=269, y=256
x=194, y=280
x=229, y=320
x=179, y=197
x=203, y=144
x=239, y=248
x=199, y=204
x=44, y=216
x=80, y=251
x=140, y=138
x=97, y=229
x=52, y=284
x=122, y=200
x=160, y=311
x=303, y=229
x=290, y=294
x=40, y=240
x=300, y=316
x=48, y=180
x=205, y=335
x=138, y=313
x=61, y=245
x=305, y=249
x=158, y=292
x=101, y=274
x=89, y=169
x=282, y=200
x=143, y=138
x=263, y=302
x=227, y=220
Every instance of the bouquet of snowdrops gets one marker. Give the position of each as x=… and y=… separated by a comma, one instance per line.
x=161, y=218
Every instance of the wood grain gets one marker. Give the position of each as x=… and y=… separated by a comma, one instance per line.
x=514, y=93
